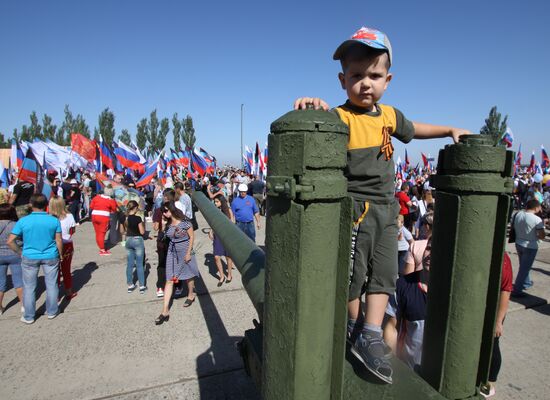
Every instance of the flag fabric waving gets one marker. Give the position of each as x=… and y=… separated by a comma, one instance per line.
x=105, y=154
x=30, y=168
x=532, y=162
x=507, y=138
x=545, y=160
x=128, y=157
x=518, y=156
x=149, y=174
x=425, y=160
x=83, y=146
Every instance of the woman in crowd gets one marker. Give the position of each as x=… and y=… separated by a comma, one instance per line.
x=102, y=207
x=180, y=263
x=135, y=229
x=58, y=209
x=413, y=261
x=218, y=250
x=8, y=258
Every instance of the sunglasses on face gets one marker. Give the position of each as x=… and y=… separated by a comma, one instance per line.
x=165, y=211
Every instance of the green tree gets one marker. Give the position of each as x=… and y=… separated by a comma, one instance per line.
x=142, y=135
x=494, y=126
x=25, y=134
x=63, y=134
x=176, y=130
x=48, y=129
x=15, y=135
x=163, y=133
x=35, y=130
x=4, y=144
x=188, y=132
x=125, y=137
x=153, y=128
x=80, y=126
x=106, y=126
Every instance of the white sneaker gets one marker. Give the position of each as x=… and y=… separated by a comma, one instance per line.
x=160, y=292
x=53, y=316
x=27, y=321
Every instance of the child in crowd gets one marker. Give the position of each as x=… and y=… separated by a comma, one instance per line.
x=58, y=209
x=135, y=229
x=366, y=59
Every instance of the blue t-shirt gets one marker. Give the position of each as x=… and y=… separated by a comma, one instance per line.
x=244, y=208
x=37, y=231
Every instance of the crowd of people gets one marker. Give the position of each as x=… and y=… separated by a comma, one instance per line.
x=36, y=231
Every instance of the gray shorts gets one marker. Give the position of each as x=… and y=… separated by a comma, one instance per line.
x=373, y=264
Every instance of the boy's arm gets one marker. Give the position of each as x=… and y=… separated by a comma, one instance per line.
x=428, y=131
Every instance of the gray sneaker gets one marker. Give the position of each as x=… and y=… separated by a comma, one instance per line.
x=371, y=352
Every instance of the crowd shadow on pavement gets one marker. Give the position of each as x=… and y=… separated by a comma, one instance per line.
x=533, y=302
x=542, y=271
x=222, y=344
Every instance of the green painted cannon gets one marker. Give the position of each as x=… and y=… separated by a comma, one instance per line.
x=298, y=350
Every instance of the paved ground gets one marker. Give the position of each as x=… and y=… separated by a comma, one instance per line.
x=105, y=344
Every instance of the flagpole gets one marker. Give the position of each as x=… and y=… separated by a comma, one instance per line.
x=241, y=155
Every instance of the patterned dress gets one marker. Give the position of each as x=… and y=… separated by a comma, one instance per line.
x=176, y=267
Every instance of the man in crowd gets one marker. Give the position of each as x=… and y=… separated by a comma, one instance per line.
x=245, y=211
x=21, y=197
x=42, y=247
x=257, y=187
x=529, y=228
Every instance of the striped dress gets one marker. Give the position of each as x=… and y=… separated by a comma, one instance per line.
x=176, y=267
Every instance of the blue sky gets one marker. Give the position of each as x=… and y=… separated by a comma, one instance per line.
x=453, y=61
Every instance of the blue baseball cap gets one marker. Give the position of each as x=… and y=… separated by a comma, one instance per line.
x=370, y=37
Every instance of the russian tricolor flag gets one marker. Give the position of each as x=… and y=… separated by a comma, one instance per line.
x=199, y=164
x=17, y=155
x=150, y=173
x=518, y=156
x=128, y=157
x=508, y=137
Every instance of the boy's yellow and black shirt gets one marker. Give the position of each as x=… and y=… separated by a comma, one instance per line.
x=370, y=168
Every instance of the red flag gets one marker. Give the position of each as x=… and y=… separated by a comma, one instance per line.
x=83, y=146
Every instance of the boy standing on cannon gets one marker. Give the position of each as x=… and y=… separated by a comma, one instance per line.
x=366, y=59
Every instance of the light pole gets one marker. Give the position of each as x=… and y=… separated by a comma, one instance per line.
x=241, y=155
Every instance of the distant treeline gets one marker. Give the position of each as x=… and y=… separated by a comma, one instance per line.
x=150, y=132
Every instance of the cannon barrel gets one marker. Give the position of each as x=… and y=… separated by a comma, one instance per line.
x=248, y=258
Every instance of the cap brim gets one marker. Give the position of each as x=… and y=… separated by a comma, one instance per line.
x=344, y=47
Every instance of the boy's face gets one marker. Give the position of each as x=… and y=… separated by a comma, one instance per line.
x=365, y=80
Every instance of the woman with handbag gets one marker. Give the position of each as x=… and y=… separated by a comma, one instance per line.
x=180, y=262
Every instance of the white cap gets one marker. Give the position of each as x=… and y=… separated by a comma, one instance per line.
x=73, y=181
x=243, y=187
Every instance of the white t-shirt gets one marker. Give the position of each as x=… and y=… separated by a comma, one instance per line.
x=526, y=225
x=67, y=224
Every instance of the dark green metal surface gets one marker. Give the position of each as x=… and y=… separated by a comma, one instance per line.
x=473, y=183
x=248, y=258
x=303, y=343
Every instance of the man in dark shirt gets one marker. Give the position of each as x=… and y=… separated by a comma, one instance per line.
x=21, y=198
x=257, y=187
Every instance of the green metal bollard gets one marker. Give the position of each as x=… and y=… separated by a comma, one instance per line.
x=308, y=235
x=472, y=200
